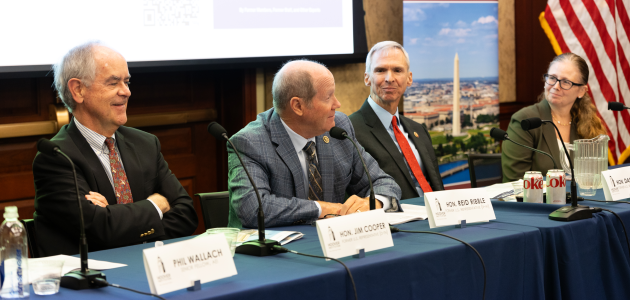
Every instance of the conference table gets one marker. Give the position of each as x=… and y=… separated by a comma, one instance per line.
x=527, y=256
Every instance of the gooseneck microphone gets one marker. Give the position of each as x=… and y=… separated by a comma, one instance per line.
x=566, y=213
x=84, y=278
x=501, y=135
x=617, y=106
x=341, y=134
x=262, y=247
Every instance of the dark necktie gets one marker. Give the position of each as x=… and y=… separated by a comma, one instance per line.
x=121, y=185
x=410, y=157
x=315, y=191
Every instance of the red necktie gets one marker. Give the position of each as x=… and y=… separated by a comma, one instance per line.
x=411, y=159
x=121, y=185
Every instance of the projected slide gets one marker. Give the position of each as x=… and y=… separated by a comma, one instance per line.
x=41, y=32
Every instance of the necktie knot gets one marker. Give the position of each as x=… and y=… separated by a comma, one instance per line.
x=309, y=148
x=394, y=121
x=110, y=144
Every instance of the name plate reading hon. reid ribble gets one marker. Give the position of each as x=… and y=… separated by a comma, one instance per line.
x=346, y=235
x=451, y=207
x=178, y=265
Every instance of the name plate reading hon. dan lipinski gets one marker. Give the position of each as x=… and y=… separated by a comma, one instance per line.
x=178, y=265
x=451, y=207
x=346, y=235
x=616, y=183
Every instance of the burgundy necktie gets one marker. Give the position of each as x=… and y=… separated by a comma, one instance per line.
x=121, y=185
x=410, y=157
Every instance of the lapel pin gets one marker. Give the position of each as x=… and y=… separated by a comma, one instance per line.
x=415, y=133
x=326, y=140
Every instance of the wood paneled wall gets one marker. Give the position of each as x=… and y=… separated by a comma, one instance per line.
x=533, y=54
x=194, y=156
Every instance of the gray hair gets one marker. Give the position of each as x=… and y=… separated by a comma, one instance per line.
x=77, y=63
x=384, y=46
x=294, y=83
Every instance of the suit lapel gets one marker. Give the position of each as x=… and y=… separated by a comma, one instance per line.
x=549, y=133
x=326, y=168
x=132, y=167
x=381, y=135
x=421, y=146
x=98, y=172
x=287, y=153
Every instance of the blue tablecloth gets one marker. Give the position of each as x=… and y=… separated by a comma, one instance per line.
x=527, y=256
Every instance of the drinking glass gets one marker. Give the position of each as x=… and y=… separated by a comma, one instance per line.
x=230, y=235
x=45, y=275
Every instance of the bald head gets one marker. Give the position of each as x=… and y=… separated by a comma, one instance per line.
x=296, y=79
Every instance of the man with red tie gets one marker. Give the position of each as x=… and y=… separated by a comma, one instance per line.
x=401, y=146
x=130, y=195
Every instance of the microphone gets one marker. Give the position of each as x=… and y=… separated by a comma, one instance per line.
x=501, y=135
x=84, y=278
x=262, y=247
x=531, y=123
x=566, y=213
x=616, y=106
x=341, y=134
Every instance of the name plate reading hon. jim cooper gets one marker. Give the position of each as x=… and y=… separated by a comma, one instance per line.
x=451, y=207
x=346, y=235
x=616, y=184
x=178, y=265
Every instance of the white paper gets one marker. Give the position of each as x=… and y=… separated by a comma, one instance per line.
x=177, y=265
x=616, y=183
x=410, y=213
x=451, y=207
x=346, y=235
x=74, y=263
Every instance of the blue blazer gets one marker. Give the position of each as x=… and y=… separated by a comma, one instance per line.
x=272, y=161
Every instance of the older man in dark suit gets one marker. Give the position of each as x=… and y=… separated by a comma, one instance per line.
x=401, y=146
x=301, y=172
x=130, y=194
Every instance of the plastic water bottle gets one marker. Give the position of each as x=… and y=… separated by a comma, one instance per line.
x=14, y=255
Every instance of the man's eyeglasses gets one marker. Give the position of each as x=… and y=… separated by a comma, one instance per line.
x=564, y=83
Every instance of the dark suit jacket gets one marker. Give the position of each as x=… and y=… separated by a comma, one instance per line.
x=376, y=141
x=516, y=160
x=56, y=209
x=273, y=163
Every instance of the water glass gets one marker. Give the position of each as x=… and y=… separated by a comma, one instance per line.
x=230, y=235
x=45, y=275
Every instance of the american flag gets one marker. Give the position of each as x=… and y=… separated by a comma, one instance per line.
x=597, y=30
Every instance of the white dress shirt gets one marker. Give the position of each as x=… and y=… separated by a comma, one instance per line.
x=299, y=142
x=97, y=143
x=386, y=119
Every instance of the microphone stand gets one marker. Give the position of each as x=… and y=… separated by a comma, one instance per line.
x=261, y=247
x=372, y=197
x=84, y=278
x=574, y=212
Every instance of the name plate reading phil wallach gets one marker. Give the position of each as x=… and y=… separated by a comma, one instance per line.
x=451, y=207
x=616, y=183
x=345, y=236
x=178, y=265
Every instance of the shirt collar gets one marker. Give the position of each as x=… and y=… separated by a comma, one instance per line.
x=298, y=141
x=382, y=114
x=96, y=140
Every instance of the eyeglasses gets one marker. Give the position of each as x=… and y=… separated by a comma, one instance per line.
x=564, y=83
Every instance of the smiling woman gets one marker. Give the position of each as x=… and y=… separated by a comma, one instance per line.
x=565, y=101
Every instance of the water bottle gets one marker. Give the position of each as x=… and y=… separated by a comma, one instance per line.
x=14, y=255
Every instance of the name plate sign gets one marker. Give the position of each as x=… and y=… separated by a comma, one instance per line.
x=451, y=207
x=178, y=265
x=346, y=235
x=616, y=184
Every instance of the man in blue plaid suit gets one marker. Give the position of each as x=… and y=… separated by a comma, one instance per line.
x=301, y=172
